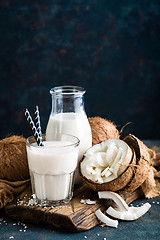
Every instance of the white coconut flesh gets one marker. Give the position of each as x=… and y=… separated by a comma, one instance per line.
x=132, y=214
x=122, y=205
x=103, y=218
x=123, y=212
x=105, y=161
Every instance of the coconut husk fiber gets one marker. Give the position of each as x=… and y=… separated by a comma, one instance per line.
x=14, y=172
x=13, y=159
x=102, y=129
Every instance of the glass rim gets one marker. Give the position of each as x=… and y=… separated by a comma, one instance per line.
x=67, y=90
x=28, y=144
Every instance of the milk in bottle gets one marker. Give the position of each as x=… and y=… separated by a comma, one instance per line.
x=68, y=117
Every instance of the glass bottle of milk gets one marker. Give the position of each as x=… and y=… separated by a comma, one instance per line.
x=68, y=116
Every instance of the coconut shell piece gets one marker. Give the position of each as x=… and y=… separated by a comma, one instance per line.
x=102, y=129
x=144, y=156
x=13, y=159
x=142, y=151
x=116, y=184
x=141, y=172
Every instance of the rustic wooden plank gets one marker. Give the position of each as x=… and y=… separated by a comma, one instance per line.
x=74, y=216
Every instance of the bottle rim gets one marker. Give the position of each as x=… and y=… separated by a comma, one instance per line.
x=67, y=90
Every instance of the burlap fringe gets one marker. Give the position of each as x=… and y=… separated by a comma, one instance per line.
x=151, y=186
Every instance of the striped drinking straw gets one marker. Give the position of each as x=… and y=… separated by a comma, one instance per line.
x=33, y=128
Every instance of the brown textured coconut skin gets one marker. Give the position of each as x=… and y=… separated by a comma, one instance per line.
x=116, y=184
x=13, y=159
x=102, y=129
x=144, y=156
x=142, y=151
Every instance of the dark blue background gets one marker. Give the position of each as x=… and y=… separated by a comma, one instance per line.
x=111, y=48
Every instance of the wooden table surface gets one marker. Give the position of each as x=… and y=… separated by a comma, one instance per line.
x=147, y=227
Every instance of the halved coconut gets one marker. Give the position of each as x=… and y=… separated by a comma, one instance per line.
x=108, y=165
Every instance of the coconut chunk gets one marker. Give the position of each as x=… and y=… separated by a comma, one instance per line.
x=87, y=201
x=103, y=218
x=123, y=212
x=107, y=160
x=90, y=170
x=142, y=210
x=106, y=172
x=100, y=159
x=122, y=205
x=109, y=156
x=133, y=213
x=116, y=163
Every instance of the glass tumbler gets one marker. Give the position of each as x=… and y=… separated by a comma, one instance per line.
x=52, y=168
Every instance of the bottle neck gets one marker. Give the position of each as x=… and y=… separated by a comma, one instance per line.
x=67, y=103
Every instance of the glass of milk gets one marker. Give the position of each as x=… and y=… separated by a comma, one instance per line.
x=52, y=168
x=68, y=116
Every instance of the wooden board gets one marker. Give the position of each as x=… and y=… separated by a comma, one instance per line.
x=74, y=217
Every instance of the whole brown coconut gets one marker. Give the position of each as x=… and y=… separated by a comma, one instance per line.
x=13, y=159
x=102, y=130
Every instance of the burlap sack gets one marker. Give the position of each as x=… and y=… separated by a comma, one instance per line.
x=151, y=186
x=9, y=190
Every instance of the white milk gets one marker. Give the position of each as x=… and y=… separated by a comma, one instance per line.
x=51, y=168
x=74, y=124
